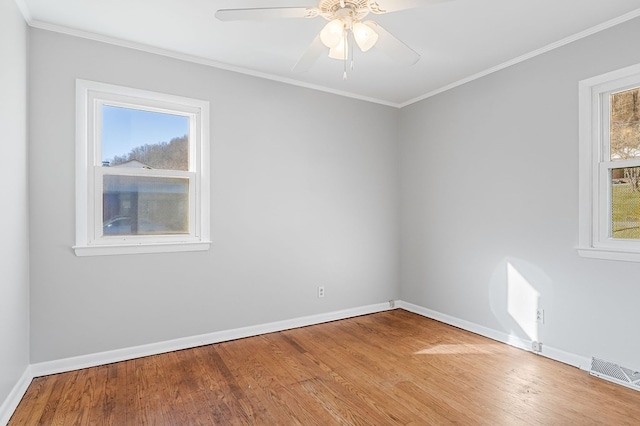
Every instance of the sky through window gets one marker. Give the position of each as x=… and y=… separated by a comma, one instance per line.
x=125, y=128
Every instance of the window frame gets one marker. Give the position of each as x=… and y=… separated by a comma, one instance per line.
x=595, y=167
x=90, y=241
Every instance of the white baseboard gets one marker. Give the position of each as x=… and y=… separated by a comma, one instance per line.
x=101, y=358
x=10, y=404
x=584, y=363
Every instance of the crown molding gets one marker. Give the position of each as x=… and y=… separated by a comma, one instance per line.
x=199, y=60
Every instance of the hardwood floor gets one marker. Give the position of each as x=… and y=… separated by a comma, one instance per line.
x=388, y=368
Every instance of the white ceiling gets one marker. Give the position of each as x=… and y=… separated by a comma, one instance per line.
x=457, y=39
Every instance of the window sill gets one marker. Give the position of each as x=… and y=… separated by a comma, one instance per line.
x=107, y=250
x=609, y=254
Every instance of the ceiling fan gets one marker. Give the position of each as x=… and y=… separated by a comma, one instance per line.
x=345, y=26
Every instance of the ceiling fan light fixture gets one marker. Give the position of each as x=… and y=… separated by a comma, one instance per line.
x=344, y=28
x=365, y=36
x=332, y=33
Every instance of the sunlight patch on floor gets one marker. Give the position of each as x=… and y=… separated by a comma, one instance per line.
x=460, y=349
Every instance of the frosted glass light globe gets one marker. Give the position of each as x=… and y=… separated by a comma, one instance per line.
x=332, y=33
x=365, y=36
x=339, y=51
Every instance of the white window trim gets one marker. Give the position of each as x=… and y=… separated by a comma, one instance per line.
x=594, y=189
x=88, y=206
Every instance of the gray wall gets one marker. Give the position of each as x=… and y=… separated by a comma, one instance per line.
x=489, y=177
x=14, y=215
x=304, y=193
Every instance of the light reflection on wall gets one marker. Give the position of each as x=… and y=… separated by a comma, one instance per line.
x=522, y=302
x=516, y=290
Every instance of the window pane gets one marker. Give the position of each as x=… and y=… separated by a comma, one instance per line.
x=134, y=205
x=144, y=139
x=625, y=203
x=625, y=125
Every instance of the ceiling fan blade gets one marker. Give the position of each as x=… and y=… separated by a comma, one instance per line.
x=310, y=56
x=392, y=46
x=258, y=14
x=386, y=6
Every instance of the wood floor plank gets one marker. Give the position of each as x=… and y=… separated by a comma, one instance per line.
x=239, y=360
x=69, y=394
x=37, y=398
x=240, y=409
x=80, y=409
x=192, y=390
x=389, y=368
x=60, y=383
x=114, y=410
x=213, y=388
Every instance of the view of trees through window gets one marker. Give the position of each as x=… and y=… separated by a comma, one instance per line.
x=152, y=139
x=624, y=143
x=172, y=155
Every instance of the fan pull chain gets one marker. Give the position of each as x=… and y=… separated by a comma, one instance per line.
x=345, y=37
x=351, y=50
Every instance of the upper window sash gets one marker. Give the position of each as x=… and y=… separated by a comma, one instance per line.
x=595, y=167
x=98, y=100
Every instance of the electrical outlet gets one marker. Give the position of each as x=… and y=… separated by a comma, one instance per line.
x=321, y=291
x=536, y=346
x=540, y=315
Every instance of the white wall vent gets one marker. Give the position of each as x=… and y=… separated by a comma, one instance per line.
x=614, y=373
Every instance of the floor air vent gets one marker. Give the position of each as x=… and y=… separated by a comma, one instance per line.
x=614, y=373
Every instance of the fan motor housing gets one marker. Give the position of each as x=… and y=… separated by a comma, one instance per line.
x=356, y=9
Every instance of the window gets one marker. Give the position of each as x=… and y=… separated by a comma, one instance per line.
x=142, y=171
x=610, y=166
